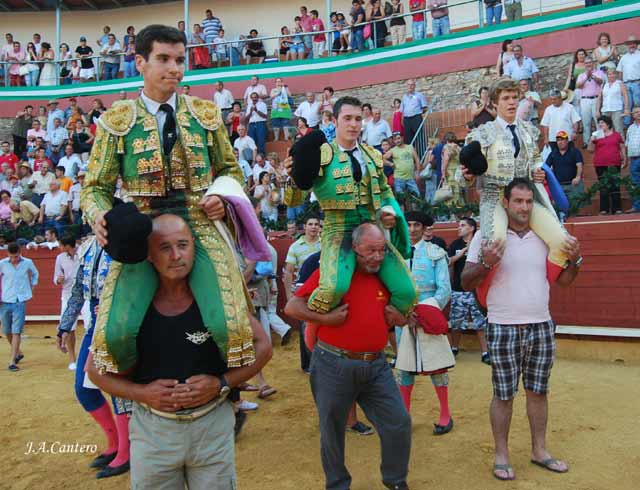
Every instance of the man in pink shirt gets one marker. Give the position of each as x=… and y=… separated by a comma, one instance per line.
x=16, y=55
x=319, y=40
x=520, y=331
x=306, y=23
x=590, y=84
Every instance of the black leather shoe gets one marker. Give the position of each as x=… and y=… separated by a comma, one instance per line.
x=286, y=338
x=439, y=430
x=113, y=471
x=397, y=486
x=103, y=460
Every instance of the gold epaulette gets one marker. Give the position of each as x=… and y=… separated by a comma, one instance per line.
x=326, y=154
x=120, y=118
x=484, y=134
x=204, y=111
x=375, y=155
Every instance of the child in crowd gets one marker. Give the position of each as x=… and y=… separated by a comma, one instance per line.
x=74, y=73
x=397, y=117
x=345, y=33
x=327, y=126
x=388, y=162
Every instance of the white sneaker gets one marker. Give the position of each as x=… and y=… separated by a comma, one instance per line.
x=72, y=366
x=246, y=406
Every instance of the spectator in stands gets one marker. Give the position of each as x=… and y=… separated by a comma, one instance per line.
x=220, y=48
x=376, y=131
x=559, y=116
x=306, y=23
x=104, y=39
x=567, y=165
x=483, y=110
x=5, y=211
x=42, y=116
x=605, y=53
x=200, y=57
x=610, y=156
x=87, y=68
x=24, y=217
x=590, y=84
x=505, y=56
x=64, y=275
x=49, y=241
x=235, y=119
x=245, y=144
x=367, y=114
x=41, y=159
x=450, y=166
x=36, y=130
x=357, y=31
x=129, y=58
x=430, y=237
x=493, y=11
x=465, y=313
x=297, y=48
x=285, y=43
x=405, y=167
x=71, y=109
x=345, y=33
x=246, y=168
x=64, y=181
x=25, y=174
x=223, y=99
x=418, y=27
x=440, y=16
x=4, y=51
x=75, y=214
x=327, y=126
x=303, y=128
x=111, y=58
x=18, y=275
x=529, y=103
x=522, y=67
x=182, y=27
x=74, y=74
x=96, y=111
x=211, y=26
x=255, y=49
x=16, y=56
x=48, y=75
x=513, y=10
x=40, y=182
x=309, y=110
x=319, y=40
x=21, y=125
x=576, y=69
x=629, y=69
x=614, y=101
x=375, y=13
x=280, y=110
x=53, y=209
x=260, y=165
x=6, y=156
x=264, y=192
x=397, y=25
x=131, y=33
x=256, y=87
x=82, y=141
x=633, y=153
x=15, y=188
x=75, y=116
x=256, y=117
x=335, y=39
x=327, y=100
x=56, y=140
x=33, y=67
x=413, y=106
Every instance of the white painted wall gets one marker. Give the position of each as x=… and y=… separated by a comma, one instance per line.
x=238, y=17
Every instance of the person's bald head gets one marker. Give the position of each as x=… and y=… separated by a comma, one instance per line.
x=171, y=247
x=370, y=247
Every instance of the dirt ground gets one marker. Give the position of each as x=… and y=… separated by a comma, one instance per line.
x=593, y=424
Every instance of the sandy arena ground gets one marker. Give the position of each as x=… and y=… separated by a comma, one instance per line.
x=593, y=424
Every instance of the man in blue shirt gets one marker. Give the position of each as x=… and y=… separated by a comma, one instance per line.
x=19, y=275
x=566, y=162
x=413, y=105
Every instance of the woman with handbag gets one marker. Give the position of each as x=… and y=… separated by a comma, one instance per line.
x=576, y=69
x=65, y=68
x=280, y=110
x=450, y=172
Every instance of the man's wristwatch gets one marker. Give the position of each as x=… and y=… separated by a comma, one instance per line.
x=484, y=264
x=224, y=386
x=577, y=263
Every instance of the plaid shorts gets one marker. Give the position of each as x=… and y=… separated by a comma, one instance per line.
x=465, y=314
x=521, y=349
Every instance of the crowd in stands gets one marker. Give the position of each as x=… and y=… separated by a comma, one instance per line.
x=369, y=24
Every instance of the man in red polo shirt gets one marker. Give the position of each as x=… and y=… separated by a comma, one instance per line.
x=6, y=156
x=348, y=365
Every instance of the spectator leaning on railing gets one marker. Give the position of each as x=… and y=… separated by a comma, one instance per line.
x=111, y=57
x=440, y=16
x=513, y=10
x=418, y=26
x=87, y=68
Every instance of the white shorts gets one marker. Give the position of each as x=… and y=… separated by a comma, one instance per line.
x=87, y=72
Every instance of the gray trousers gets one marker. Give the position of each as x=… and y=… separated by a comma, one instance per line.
x=336, y=384
x=166, y=454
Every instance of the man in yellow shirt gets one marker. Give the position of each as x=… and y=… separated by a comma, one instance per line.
x=65, y=182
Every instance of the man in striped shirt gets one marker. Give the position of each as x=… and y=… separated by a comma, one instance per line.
x=211, y=26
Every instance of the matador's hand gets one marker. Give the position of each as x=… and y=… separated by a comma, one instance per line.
x=100, y=229
x=288, y=164
x=213, y=206
x=539, y=175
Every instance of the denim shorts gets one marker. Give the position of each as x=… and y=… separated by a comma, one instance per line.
x=279, y=122
x=12, y=316
x=296, y=48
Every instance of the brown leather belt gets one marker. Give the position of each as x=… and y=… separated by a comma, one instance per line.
x=189, y=415
x=356, y=356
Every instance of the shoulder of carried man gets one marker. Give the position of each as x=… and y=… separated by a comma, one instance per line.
x=119, y=118
x=206, y=112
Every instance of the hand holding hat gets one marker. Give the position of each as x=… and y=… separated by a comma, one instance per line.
x=128, y=230
x=306, y=158
x=473, y=159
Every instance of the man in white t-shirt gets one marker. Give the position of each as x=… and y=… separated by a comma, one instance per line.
x=53, y=208
x=520, y=332
x=256, y=87
x=245, y=144
x=559, y=116
x=261, y=165
x=310, y=110
x=244, y=165
x=629, y=69
x=223, y=99
x=70, y=161
x=256, y=116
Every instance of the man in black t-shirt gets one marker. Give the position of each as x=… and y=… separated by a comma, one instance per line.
x=180, y=381
x=87, y=69
x=430, y=237
x=465, y=312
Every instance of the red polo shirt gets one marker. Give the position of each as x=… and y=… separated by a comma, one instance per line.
x=365, y=329
x=9, y=158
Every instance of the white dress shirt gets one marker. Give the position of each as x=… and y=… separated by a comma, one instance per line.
x=223, y=99
x=154, y=109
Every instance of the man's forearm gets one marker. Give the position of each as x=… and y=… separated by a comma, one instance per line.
x=473, y=275
x=567, y=276
x=287, y=280
x=297, y=308
x=114, y=384
x=262, y=346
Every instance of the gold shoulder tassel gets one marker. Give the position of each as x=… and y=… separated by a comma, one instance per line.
x=209, y=138
x=120, y=145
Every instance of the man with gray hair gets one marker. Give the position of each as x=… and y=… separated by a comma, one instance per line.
x=348, y=365
x=559, y=116
x=590, y=84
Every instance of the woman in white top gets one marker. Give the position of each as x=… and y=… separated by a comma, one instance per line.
x=605, y=53
x=613, y=101
x=505, y=56
x=48, y=73
x=268, y=197
x=65, y=68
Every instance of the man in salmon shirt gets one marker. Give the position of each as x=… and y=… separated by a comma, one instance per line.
x=348, y=365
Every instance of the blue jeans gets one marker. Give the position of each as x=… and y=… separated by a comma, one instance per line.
x=234, y=56
x=633, y=91
x=417, y=30
x=59, y=225
x=441, y=26
x=12, y=317
x=430, y=186
x=494, y=14
x=357, y=40
x=258, y=131
x=635, y=178
x=130, y=70
x=294, y=213
x=90, y=399
x=111, y=70
x=404, y=186
x=337, y=383
x=308, y=46
x=31, y=78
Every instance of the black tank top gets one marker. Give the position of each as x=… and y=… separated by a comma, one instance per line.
x=176, y=347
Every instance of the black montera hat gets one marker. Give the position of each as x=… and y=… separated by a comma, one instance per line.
x=472, y=158
x=127, y=233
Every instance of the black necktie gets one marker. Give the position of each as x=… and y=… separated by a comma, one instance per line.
x=413, y=251
x=356, y=170
x=516, y=141
x=169, y=135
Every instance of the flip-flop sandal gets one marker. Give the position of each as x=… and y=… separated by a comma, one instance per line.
x=507, y=468
x=248, y=387
x=266, y=391
x=546, y=464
